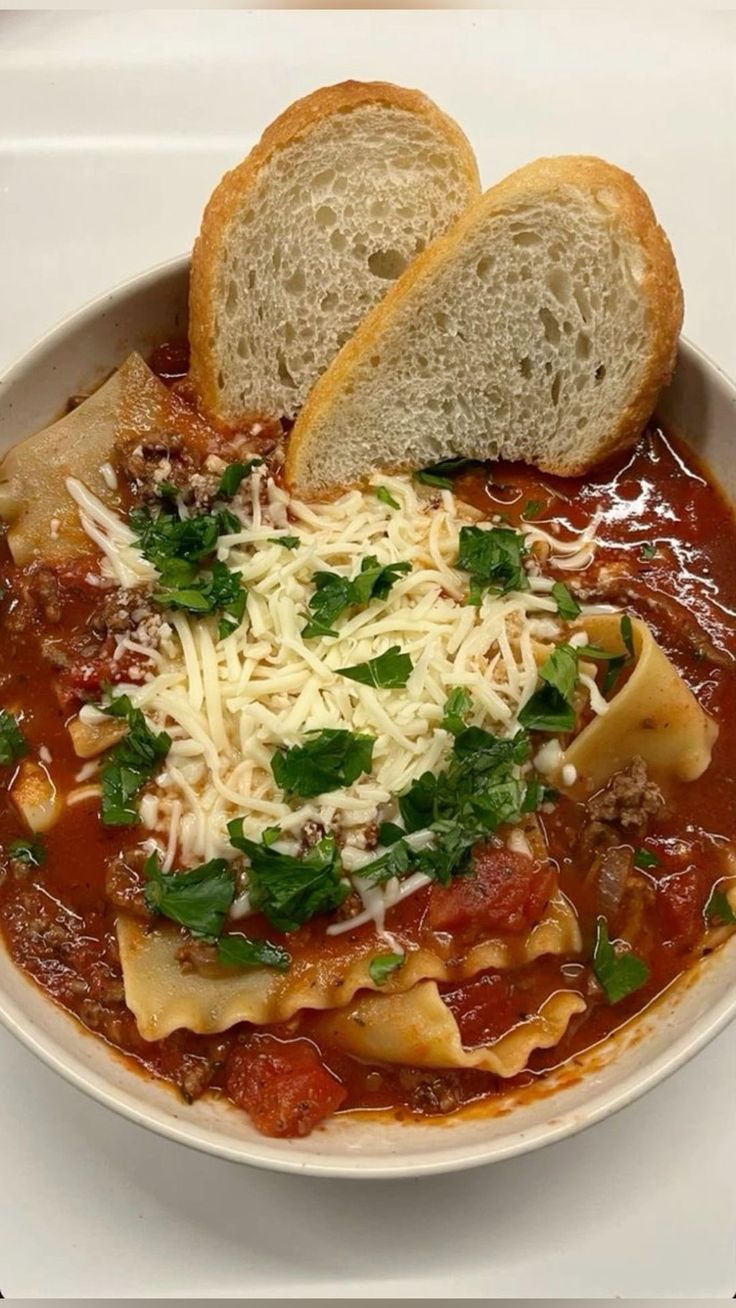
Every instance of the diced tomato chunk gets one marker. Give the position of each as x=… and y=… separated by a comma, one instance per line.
x=483, y=1008
x=85, y=682
x=680, y=903
x=505, y=891
x=282, y=1085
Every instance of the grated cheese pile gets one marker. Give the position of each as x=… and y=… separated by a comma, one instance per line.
x=229, y=704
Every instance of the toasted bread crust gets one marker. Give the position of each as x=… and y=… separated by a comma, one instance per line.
x=232, y=192
x=660, y=287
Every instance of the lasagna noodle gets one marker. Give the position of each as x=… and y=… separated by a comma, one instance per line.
x=654, y=716
x=163, y=998
x=44, y=521
x=417, y=1029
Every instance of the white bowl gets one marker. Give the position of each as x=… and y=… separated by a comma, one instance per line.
x=701, y=405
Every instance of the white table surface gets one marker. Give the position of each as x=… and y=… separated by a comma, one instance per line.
x=113, y=129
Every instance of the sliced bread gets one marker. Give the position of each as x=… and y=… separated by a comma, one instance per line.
x=305, y=236
x=541, y=328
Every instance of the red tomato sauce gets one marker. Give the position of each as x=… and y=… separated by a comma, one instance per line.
x=667, y=552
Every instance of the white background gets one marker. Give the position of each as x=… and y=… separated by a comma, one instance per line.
x=113, y=130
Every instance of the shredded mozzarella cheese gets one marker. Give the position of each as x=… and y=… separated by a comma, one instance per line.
x=229, y=704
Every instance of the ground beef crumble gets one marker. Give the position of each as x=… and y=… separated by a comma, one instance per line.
x=629, y=798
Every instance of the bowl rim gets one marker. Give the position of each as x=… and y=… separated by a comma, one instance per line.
x=272, y=1155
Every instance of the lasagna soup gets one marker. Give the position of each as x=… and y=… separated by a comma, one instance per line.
x=387, y=802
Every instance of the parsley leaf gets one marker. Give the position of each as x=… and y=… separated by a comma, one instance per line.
x=648, y=550
x=288, y=542
x=532, y=509
x=385, y=496
x=417, y=804
x=333, y=593
x=389, y=833
x=394, y=863
x=243, y=951
x=494, y=560
x=620, y=974
x=13, y=744
x=178, y=549
x=198, y=900
x=165, y=536
x=220, y=591
x=616, y=664
x=718, y=910
x=439, y=475
x=457, y=707
x=233, y=475
x=479, y=790
x=129, y=764
x=331, y=759
x=550, y=707
x=27, y=849
x=291, y=890
x=389, y=671
x=375, y=581
x=644, y=859
x=382, y=965
x=567, y=605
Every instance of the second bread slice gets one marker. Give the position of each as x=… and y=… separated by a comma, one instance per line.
x=541, y=328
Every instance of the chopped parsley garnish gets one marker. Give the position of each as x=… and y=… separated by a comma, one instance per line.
x=233, y=475
x=620, y=974
x=567, y=606
x=289, y=890
x=27, y=849
x=620, y=660
x=457, y=707
x=270, y=836
x=165, y=536
x=179, y=549
x=644, y=859
x=718, y=910
x=288, y=542
x=129, y=764
x=331, y=759
x=468, y=801
x=382, y=965
x=13, y=744
x=389, y=671
x=243, y=951
x=532, y=509
x=219, y=591
x=333, y=593
x=384, y=495
x=648, y=550
x=494, y=560
x=374, y=581
x=439, y=475
x=198, y=900
x=550, y=708
x=389, y=833
x=394, y=863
